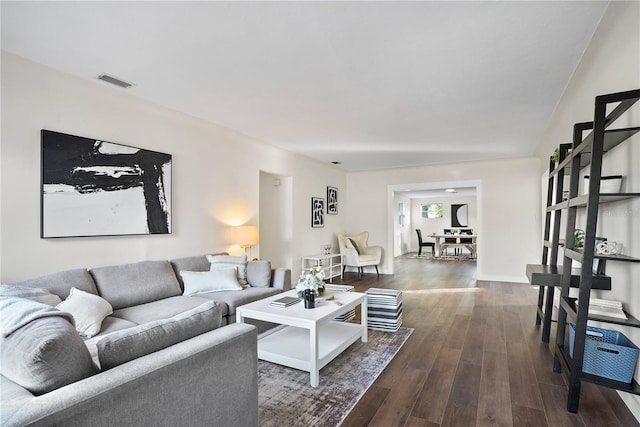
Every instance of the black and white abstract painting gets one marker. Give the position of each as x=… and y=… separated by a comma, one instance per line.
x=317, y=212
x=459, y=215
x=332, y=201
x=98, y=188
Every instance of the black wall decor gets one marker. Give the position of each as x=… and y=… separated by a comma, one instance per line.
x=332, y=200
x=459, y=215
x=317, y=212
x=97, y=188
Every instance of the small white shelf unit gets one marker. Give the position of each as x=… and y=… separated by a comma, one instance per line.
x=330, y=264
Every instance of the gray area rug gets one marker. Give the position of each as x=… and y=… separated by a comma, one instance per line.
x=286, y=398
x=464, y=257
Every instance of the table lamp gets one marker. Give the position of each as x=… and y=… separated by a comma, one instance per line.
x=246, y=235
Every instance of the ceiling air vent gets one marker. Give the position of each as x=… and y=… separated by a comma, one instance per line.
x=114, y=81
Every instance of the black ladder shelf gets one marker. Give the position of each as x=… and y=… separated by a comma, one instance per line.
x=548, y=274
x=589, y=151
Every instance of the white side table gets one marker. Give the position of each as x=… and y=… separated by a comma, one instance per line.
x=330, y=264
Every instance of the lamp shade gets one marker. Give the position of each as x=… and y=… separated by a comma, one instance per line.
x=246, y=235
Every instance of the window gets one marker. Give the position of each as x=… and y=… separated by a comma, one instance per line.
x=432, y=210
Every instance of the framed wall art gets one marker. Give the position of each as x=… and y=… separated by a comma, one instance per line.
x=459, y=215
x=97, y=188
x=332, y=201
x=317, y=212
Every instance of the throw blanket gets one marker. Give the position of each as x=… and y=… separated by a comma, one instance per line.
x=18, y=312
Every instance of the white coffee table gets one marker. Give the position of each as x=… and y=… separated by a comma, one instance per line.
x=307, y=339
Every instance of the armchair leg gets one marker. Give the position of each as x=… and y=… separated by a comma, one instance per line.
x=377, y=272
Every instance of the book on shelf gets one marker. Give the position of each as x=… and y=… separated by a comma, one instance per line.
x=285, y=301
x=606, y=308
x=605, y=303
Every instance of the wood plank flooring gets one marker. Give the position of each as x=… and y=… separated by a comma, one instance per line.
x=474, y=359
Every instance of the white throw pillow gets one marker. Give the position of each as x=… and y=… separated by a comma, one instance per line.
x=219, y=279
x=240, y=262
x=88, y=311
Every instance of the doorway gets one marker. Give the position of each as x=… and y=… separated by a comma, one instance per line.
x=406, y=201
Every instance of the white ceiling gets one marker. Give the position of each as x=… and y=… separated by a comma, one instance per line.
x=370, y=84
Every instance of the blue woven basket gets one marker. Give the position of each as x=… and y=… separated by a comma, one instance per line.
x=607, y=354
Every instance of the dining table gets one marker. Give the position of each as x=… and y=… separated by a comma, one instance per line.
x=441, y=244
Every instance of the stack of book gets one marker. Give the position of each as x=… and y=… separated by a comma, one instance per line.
x=349, y=315
x=608, y=308
x=384, y=309
x=284, y=301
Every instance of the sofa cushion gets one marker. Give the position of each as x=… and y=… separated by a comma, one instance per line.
x=192, y=263
x=216, y=280
x=40, y=295
x=233, y=299
x=61, y=283
x=259, y=274
x=127, y=285
x=121, y=346
x=163, y=309
x=109, y=325
x=112, y=324
x=223, y=261
x=46, y=352
x=88, y=311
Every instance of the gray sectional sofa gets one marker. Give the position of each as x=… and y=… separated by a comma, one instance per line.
x=206, y=376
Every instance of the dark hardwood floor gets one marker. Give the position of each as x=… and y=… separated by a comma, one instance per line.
x=474, y=359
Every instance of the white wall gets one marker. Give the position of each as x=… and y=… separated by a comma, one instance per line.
x=216, y=174
x=610, y=64
x=508, y=206
x=437, y=225
x=276, y=216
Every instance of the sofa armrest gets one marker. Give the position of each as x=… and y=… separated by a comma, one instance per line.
x=374, y=250
x=350, y=256
x=210, y=379
x=281, y=278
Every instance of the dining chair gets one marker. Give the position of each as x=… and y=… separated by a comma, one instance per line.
x=467, y=231
x=422, y=244
x=451, y=240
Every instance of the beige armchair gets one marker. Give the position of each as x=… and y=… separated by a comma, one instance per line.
x=357, y=253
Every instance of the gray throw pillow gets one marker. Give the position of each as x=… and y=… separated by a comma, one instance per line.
x=355, y=245
x=122, y=346
x=45, y=354
x=259, y=274
x=223, y=261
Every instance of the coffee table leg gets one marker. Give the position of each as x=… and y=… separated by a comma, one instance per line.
x=313, y=356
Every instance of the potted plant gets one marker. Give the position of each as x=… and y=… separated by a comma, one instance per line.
x=313, y=280
x=578, y=239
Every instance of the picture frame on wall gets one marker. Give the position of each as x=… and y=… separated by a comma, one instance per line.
x=459, y=215
x=332, y=201
x=317, y=212
x=92, y=187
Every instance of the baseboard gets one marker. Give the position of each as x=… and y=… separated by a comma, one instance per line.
x=633, y=403
x=509, y=279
